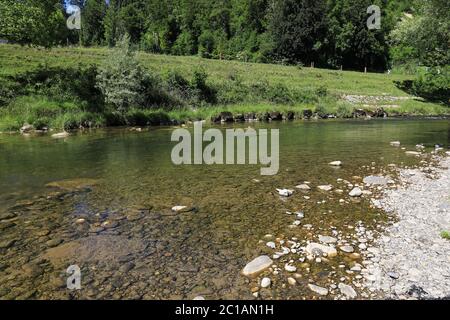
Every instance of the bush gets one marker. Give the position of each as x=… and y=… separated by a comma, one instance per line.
x=344, y=110
x=120, y=78
x=77, y=84
x=432, y=85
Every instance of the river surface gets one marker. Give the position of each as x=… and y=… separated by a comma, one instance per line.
x=102, y=200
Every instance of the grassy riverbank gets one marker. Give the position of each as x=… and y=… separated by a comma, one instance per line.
x=239, y=88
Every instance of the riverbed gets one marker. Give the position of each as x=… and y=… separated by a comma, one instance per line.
x=103, y=200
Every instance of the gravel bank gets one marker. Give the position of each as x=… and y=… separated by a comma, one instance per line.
x=414, y=260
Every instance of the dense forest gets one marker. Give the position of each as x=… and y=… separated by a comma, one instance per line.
x=326, y=33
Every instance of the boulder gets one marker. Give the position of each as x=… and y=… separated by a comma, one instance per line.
x=307, y=114
x=226, y=116
x=276, y=116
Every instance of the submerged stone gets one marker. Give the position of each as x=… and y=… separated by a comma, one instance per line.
x=257, y=266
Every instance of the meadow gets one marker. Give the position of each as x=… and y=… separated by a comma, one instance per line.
x=242, y=88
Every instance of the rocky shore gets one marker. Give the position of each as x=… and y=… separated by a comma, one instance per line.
x=413, y=258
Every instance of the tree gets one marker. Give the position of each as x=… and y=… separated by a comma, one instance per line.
x=425, y=35
x=92, y=27
x=37, y=22
x=351, y=44
x=298, y=29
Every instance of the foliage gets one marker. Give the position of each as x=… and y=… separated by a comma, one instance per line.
x=120, y=78
x=433, y=85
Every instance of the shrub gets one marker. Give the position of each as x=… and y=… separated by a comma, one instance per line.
x=120, y=78
x=344, y=110
x=63, y=84
x=433, y=85
x=445, y=235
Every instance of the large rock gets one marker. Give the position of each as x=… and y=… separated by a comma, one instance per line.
x=226, y=116
x=319, y=290
x=313, y=248
x=307, y=114
x=256, y=266
x=276, y=116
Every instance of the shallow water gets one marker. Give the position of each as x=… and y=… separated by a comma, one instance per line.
x=146, y=251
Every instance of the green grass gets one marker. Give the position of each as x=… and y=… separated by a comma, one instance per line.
x=445, y=235
x=240, y=87
x=15, y=59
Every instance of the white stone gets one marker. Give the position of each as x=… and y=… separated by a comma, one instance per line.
x=327, y=187
x=336, y=163
x=60, y=135
x=265, y=282
x=271, y=244
x=347, y=249
x=356, y=192
x=178, y=208
x=412, y=153
x=303, y=187
x=395, y=143
x=285, y=192
x=312, y=247
x=292, y=281
x=327, y=239
x=319, y=290
x=256, y=266
x=289, y=268
x=348, y=291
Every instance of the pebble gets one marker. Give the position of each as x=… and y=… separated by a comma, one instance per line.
x=271, y=244
x=265, y=282
x=356, y=192
x=327, y=187
x=289, y=268
x=347, y=249
x=303, y=187
x=347, y=290
x=292, y=281
x=319, y=290
x=327, y=239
